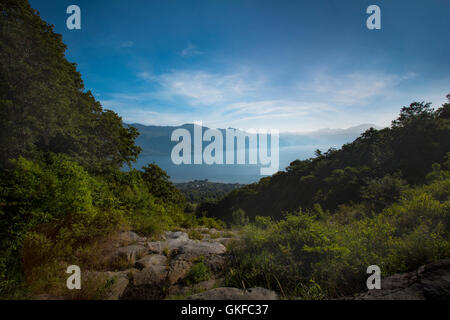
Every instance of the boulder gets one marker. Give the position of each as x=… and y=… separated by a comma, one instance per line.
x=131, y=253
x=217, y=263
x=177, y=235
x=151, y=260
x=128, y=237
x=116, y=290
x=431, y=281
x=175, y=240
x=178, y=270
x=178, y=290
x=235, y=294
x=155, y=247
x=153, y=275
x=147, y=284
x=200, y=249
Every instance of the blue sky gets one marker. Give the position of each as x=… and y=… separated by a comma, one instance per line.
x=287, y=65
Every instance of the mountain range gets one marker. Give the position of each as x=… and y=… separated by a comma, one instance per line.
x=157, y=146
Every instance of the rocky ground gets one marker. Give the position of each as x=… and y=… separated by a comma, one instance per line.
x=163, y=269
x=181, y=267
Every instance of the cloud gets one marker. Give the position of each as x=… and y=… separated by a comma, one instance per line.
x=351, y=89
x=146, y=76
x=190, y=50
x=276, y=109
x=203, y=88
x=247, y=99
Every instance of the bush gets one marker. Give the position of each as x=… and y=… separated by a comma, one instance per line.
x=199, y=272
x=239, y=218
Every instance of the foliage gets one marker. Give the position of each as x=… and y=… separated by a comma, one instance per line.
x=199, y=272
x=239, y=218
x=43, y=103
x=201, y=190
x=309, y=256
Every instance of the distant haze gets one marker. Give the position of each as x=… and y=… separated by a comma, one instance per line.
x=157, y=147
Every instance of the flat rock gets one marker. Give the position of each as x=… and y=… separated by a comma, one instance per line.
x=197, y=249
x=235, y=294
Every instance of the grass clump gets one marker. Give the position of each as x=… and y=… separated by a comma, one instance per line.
x=195, y=235
x=199, y=272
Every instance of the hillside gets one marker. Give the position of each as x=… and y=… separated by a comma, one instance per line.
x=384, y=159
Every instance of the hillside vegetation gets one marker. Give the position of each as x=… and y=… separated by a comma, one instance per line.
x=62, y=189
x=312, y=231
x=371, y=170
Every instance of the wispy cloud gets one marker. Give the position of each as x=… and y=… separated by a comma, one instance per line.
x=190, y=50
x=145, y=75
x=247, y=99
x=203, y=88
x=351, y=89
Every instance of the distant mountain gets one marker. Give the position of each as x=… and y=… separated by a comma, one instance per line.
x=157, y=147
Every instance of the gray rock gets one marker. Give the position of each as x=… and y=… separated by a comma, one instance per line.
x=235, y=294
x=111, y=284
x=216, y=263
x=175, y=240
x=197, y=249
x=131, y=253
x=431, y=281
x=178, y=270
x=155, y=247
x=151, y=260
x=153, y=275
x=180, y=290
x=177, y=235
x=118, y=287
x=130, y=237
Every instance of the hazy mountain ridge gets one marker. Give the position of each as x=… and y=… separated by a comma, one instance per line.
x=157, y=146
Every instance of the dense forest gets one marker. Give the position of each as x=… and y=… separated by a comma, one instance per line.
x=201, y=190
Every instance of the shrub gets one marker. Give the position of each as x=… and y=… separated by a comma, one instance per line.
x=240, y=218
x=199, y=272
x=195, y=235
